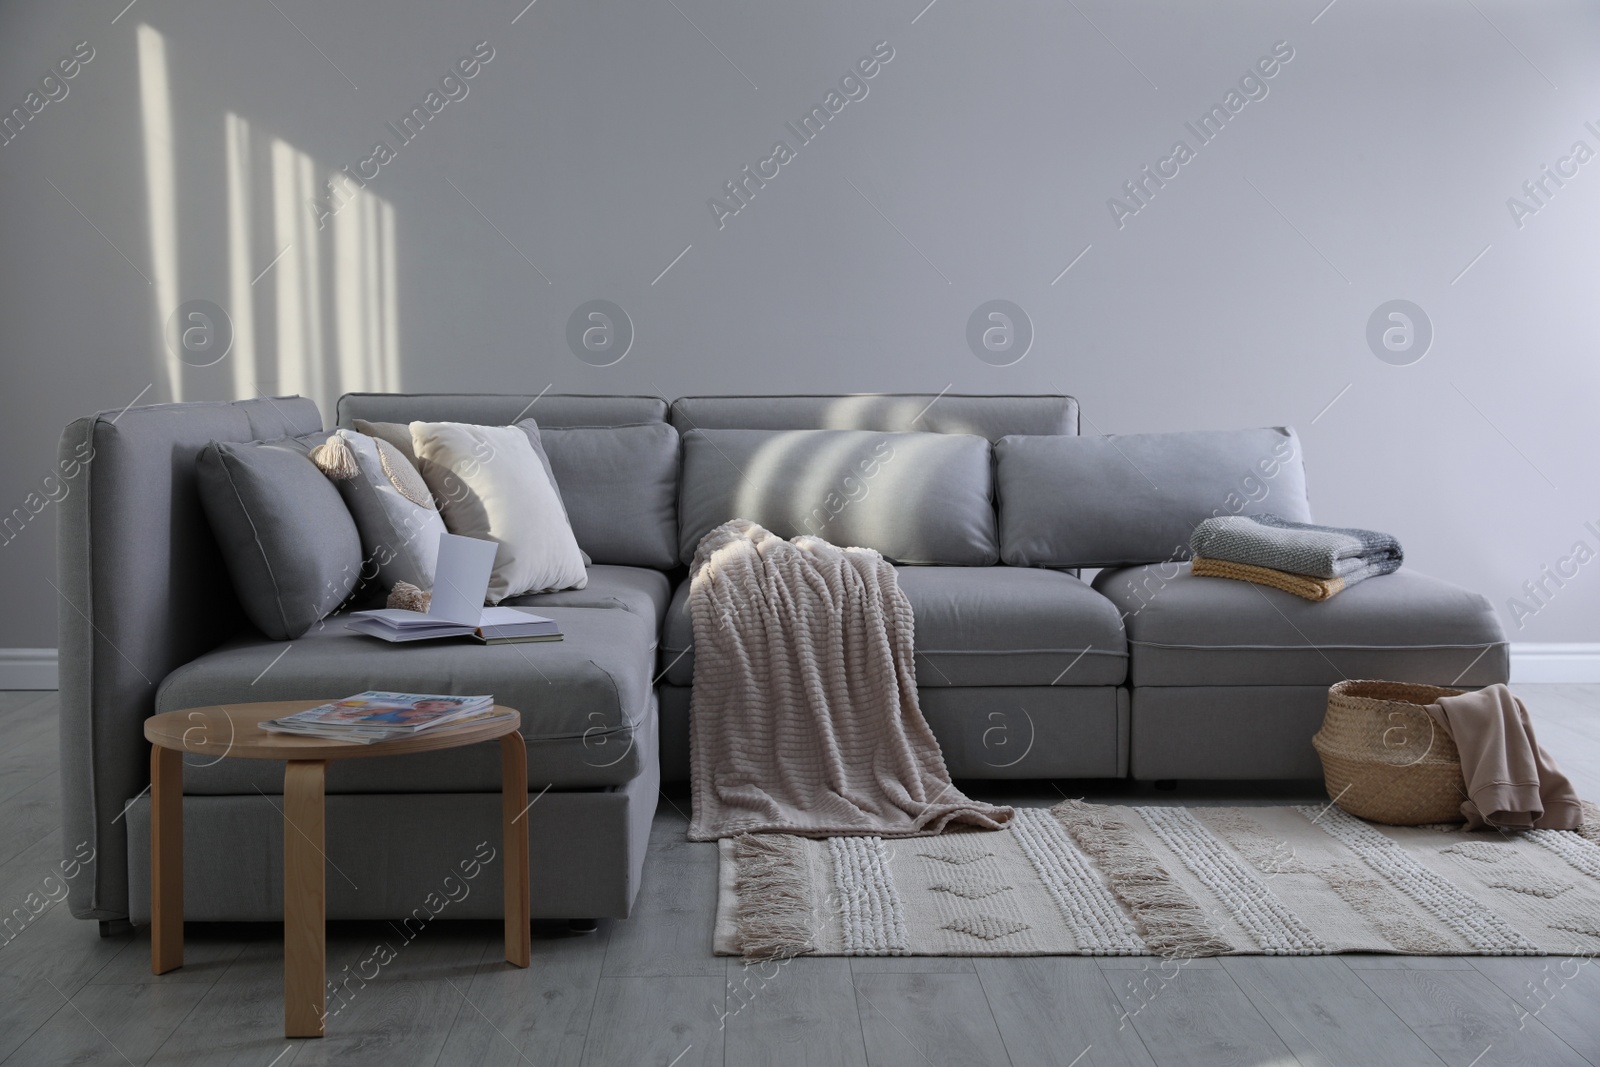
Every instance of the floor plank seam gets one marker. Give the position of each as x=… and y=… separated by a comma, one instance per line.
x=477, y=970
x=1483, y=980
x=992, y=1018
x=1125, y=1017
x=1262, y=1005
x=31, y=1034
x=29, y=785
x=594, y=998
x=197, y=1002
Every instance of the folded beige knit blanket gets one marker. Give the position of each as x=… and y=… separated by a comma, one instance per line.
x=1301, y=585
x=804, y=718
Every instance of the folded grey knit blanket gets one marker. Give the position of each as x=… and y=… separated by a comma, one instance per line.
x=1297, y=547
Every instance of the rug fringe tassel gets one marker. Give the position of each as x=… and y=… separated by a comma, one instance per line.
x=1170, y=921
x=773, y=882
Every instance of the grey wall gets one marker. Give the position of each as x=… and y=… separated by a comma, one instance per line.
x=979, y=165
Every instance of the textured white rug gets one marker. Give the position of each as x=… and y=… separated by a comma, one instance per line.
x=1086, y=879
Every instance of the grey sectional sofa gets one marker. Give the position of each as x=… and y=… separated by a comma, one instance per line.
x=1024, y=668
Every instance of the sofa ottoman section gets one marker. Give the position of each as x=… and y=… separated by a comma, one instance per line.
x=1405, y=626
x=1230, y=679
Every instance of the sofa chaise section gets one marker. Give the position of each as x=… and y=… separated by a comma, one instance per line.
x=1230, y=679
x=1227, y=680
x=153, y=625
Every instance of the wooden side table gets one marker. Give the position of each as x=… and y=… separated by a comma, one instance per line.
x=234, y=732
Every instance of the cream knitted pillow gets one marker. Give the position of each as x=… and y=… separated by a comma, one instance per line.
x=490, y=484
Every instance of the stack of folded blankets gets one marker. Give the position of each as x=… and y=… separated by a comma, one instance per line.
x=1314, y=562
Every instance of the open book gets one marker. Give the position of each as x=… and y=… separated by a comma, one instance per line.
x=461, y=578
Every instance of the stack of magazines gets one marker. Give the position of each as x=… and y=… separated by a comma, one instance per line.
x=370, y=716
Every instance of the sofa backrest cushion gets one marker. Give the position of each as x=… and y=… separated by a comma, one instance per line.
x=501, y=409
x=918, y=498
x=992, y=417
x=1129, y=499
x=289, y=541
x=620, y=487
x=614, y=458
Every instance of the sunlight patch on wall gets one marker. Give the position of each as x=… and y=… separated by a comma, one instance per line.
x=155, y=107
x=296, y=278
x=364, y=298
x=311, y=295
x=241, y=271
x=333, y=286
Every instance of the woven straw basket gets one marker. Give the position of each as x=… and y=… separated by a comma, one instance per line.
x=1385, y=759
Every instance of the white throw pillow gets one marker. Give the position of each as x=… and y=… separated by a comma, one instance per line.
x=490, y=484
x=398, y=434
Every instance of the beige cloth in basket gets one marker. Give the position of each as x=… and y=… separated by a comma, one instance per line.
x=1512, y=783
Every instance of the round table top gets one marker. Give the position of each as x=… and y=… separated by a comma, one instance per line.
x=234, y=730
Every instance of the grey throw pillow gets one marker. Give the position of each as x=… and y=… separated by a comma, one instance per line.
x=1126, y=499
x=397, y=434
x=287, y=538
x=394, y=512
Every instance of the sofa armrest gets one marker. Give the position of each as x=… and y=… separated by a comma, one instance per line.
x=144, y=590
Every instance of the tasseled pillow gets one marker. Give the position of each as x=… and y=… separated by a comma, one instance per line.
x=408, y=597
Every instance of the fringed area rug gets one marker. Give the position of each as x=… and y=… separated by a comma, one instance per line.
x=1086, y=879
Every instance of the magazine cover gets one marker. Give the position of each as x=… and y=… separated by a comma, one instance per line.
x=392, y=709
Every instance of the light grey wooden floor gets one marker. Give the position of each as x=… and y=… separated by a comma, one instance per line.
x=648, y=990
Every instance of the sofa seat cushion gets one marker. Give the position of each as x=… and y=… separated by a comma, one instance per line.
x=583, y=699
x=979, y=626
x=1405, y=626
x=640, y=590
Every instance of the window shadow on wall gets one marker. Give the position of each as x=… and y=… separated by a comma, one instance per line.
x=310, y=288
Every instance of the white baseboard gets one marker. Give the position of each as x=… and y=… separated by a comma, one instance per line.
x=1567, y=662
x=28, y=668
x=35, y=668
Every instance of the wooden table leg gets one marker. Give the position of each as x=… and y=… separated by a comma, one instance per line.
x=166, y=859
x=304, y=900
x=514, y=817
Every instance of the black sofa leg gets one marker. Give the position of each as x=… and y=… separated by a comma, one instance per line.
x=115, y=927
x=583, y=926
x=1166, y=783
